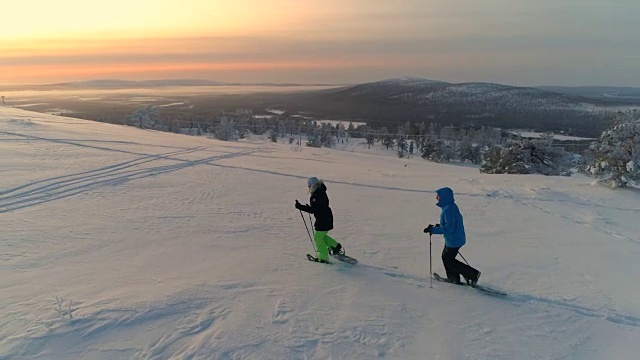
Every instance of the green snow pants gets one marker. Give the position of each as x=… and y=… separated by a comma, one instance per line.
x=323, y=243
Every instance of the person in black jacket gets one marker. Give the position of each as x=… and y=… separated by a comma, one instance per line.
x=324, y=219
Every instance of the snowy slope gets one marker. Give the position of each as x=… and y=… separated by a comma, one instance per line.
x=120, y=243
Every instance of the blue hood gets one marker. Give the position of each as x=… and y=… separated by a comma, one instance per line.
x=446, y=196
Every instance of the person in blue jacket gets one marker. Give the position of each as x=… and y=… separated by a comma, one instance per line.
x=452, y=227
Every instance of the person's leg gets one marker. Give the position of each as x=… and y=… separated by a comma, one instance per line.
x=329, y=240
x=321, y=245
x=332, y=244
x=469, y=273
x=456, y=268
x=448, y=260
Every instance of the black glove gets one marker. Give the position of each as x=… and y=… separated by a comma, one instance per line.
x=427, y=230
x=298, y=205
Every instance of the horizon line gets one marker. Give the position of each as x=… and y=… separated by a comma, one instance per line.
x=206, y=82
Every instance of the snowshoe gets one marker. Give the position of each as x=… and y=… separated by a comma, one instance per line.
x=315, y=259
x=444, y=279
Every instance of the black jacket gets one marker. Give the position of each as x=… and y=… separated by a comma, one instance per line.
x=320, y=209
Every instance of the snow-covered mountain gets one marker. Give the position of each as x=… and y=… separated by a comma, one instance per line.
x=121, y=243
x=393, y=102
x=610, y=93
x=416, y=91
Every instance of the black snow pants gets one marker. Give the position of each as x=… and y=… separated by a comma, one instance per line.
x=456, y=268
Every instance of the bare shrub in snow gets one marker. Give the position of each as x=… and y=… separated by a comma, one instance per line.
x=64, y=308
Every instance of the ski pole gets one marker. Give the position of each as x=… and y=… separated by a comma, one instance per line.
x=465, y=260
x=430, y=269
x=311, y=225
x=305, y=225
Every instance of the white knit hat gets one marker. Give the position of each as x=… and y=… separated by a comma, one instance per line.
x=312, y=180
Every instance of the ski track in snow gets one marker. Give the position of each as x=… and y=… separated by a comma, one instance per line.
x=516, y=299
x=59, y=187
x=530, y=204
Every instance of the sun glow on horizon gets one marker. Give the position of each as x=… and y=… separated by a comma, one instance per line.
x=519, y=43
x=48, y=41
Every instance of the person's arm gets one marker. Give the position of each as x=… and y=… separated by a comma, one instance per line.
x=447, y=223
x=305, y=208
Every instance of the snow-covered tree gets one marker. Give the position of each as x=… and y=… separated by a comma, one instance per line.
x=469, y=151
x=370, y=139
x=282, y=128
x=226, y=129
x=615, y=156
x=327, y=136
x=314, y=140
x=434, y=129
x=145, y=118
x=523, y=156
x=402, y=147
x=407, y=128
x=351, y=128
x=437, y=150
x=388, y=141
x=328, y=140
x=422, y=128
x=445, y=151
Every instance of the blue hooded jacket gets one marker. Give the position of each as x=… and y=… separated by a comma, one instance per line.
x=451, y=224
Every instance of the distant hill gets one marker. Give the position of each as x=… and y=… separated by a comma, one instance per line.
x=129, y=84
x=395, y=101
x=115, y=83
x=169, y=82
x=609, y=93
x=427, y=92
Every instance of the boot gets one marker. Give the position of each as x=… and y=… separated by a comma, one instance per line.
x=336, y=250
x=473, y=281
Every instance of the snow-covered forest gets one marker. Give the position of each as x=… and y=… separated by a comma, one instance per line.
x=497, y=151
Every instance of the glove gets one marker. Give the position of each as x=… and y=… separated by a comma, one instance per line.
x=298, y=205
x=427, y=230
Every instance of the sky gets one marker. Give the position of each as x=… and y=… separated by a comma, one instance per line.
x=524, y=42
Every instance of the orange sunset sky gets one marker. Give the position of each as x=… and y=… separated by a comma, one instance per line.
x=523, y=42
